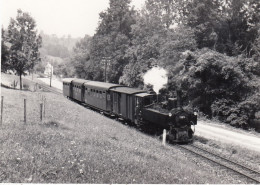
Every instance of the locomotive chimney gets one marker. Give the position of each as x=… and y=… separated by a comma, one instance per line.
x=179, y=104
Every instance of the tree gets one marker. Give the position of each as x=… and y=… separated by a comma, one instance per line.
x=112, y=40
x=25, y=43
x=227, y=26
x=156, y=40
x=81, y=59
x=220, y=86
x=4, y=53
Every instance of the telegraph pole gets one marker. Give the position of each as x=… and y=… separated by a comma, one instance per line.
x=106, y=60
x=106, y=70
x=51, y=75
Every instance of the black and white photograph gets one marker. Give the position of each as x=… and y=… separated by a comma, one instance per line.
x=130, y=92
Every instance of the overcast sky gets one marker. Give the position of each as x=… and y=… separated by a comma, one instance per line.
x=60, y=17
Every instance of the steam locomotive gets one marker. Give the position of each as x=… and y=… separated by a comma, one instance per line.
x=134, y=105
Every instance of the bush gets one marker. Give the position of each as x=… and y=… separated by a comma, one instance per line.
x=220, y=86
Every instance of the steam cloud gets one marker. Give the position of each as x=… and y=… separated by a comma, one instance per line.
x=157, y=77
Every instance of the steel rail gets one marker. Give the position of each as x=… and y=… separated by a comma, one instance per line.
x=46, y=87
x=228, y=160
x=219, y=163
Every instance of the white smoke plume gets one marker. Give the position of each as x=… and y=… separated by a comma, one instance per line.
x=157, y=77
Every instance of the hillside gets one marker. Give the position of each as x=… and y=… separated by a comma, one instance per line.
x=57, y=46
x=78, y=145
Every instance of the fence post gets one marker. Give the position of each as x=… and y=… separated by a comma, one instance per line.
x=24, y=111
x=41, y=111
x=2, y=107
x=44, y=104
x=164, y=137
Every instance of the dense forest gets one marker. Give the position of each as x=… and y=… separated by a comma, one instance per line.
x=210, y=49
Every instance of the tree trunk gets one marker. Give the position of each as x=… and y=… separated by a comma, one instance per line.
x=21, y=85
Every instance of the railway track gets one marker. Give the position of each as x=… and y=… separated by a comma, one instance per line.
x=250, y=174
x=42, y=86
x=48, y=88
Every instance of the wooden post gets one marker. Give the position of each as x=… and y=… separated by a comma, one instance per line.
x=41, y=111
x=25, y=111
x=44, y=104
x=164, y=137
x=51, y=76
x=2, y=107
x=106, y=71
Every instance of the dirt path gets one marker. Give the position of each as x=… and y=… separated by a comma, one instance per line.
x=228, y=135
x=55, y=83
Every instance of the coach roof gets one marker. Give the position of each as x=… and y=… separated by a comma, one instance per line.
x=67, y=80
x=101, y=85
x=79, y=81
x=144, y=94
x=127, y=90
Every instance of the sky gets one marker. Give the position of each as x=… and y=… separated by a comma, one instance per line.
x=61, y=17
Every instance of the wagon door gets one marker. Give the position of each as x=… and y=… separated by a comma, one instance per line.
x=123, y=106
x=109, y=105
x=116, y=103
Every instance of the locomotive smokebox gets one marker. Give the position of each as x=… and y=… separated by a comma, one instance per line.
x=179, y=94
x=172, y=103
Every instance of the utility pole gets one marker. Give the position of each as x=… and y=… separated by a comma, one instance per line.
x=51, y=75
x=106, y=70
x=105, y=61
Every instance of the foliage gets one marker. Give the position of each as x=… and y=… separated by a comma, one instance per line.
x=65, y=69
x=111, y=40
x=256, y=56
x=220, y=86
x=25, y=43
x=4, y=52
x=226, y=26
x=210, y=49
x=57, y=46
x=80, y=58
x=155, y=41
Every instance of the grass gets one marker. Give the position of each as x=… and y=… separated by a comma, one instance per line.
x=233, y=152
x=76, y=145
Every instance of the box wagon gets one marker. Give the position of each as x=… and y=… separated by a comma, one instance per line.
x=124, y=102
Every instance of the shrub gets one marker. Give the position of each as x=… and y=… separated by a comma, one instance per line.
x=220, y=86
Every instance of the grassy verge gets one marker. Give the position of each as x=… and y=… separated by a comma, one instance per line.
x=233, y=152
x=76, y=145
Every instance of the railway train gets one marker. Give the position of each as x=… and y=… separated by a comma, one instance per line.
x=134, y=105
